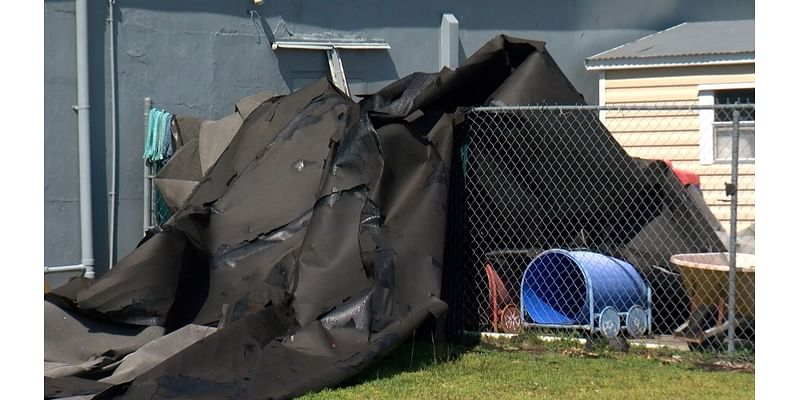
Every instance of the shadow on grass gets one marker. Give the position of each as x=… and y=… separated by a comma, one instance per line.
x=421, y=351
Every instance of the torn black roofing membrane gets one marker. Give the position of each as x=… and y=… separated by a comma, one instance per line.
x=313, y=239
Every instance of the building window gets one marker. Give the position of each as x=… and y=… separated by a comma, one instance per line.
x=716, y=127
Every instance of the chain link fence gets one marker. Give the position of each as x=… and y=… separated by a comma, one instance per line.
x=614, y=221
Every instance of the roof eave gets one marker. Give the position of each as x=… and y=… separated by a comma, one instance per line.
x=669, y=61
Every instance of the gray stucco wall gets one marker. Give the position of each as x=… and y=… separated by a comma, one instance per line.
x=198, y=57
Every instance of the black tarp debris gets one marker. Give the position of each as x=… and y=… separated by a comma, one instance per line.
x=313, y=227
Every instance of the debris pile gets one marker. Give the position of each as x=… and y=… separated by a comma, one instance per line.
x=307, y=240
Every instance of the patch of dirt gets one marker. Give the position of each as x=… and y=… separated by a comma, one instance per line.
x=724, y=365
x=582, y=353
x=532, y=348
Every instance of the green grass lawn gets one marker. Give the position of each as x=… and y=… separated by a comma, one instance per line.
x=529, y=369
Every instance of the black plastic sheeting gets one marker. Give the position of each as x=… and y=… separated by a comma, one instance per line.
x=316, y=240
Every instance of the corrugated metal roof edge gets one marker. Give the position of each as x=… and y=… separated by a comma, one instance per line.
x=670, y=61
x=716, y=53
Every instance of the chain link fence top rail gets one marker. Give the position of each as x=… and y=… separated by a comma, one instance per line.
x=611, y=220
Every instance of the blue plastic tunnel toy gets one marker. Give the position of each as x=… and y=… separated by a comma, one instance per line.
x=569, y=288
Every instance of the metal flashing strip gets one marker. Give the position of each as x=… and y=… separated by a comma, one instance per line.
x=337, y=70
x=330, y=44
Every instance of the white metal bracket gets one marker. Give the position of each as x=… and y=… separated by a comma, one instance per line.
x=337, y=70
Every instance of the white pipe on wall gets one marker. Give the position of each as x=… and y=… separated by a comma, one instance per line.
x=112, y=194
x=84, y=138
x=64, y=268
x=84, y=145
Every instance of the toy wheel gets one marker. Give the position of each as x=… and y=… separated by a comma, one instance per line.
x=510, y=319
x=609, y=323
x=636, y=321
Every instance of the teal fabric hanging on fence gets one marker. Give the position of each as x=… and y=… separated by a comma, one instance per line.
x=158, y=142
x=158, y=149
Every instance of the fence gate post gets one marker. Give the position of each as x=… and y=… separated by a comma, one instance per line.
x=732, y=248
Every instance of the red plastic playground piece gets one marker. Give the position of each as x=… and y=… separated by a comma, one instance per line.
x=505, y=314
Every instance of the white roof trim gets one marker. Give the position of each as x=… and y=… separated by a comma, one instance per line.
x=328, y=45
x=670, y=61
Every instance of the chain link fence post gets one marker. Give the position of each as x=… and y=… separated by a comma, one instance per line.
x=732, y=248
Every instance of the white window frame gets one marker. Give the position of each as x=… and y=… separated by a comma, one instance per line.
x=601, y=94
x=705, y=94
